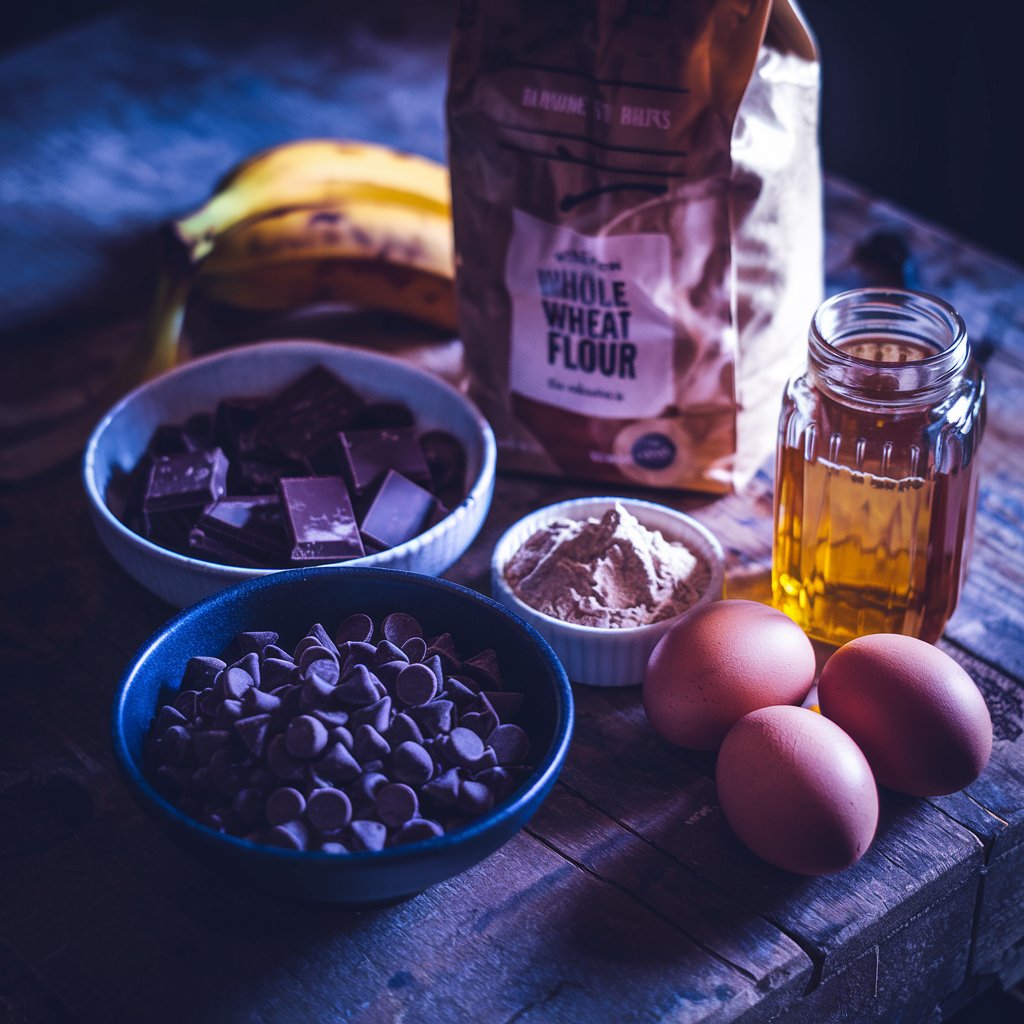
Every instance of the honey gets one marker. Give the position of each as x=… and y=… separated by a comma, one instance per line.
x=876, y=480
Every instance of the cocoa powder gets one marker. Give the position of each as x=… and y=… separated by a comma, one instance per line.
x=611, y=571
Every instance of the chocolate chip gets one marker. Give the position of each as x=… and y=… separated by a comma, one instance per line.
x=256, y=643
x=411, y=763
x=315, y=693
x=416, y=684
x=369, y=745
x=415, y=648
x=403, y=728
x=250, y=664
x=322, y=637
x=434, y=718
x=396, y=804
x=389, y=672
x=166, y=717
x=316, y=652
x=280, y=762
x=498, y=781
x=275, y=652
x=337, y=764
x=444, y=647
x=363, y=790
x=227, y=775
x=206, y=742
x=328, y=809
x=377, y=714
x=228, y=711
x=399, y=627
x=305, y=737
x=248, y=806
x=483, y=667
x=474, y=797
x=284, y=804
x=444, y=787
x=359, y=688
x=510, y=744
x=356, y=653
x=333, y=847
x=258, y=701
x=292, y=835
x=466, y=745
x=175, y=744
x=482, y=723
x=185, y=704
x=457, y=689
x=506, y=704
x=367, y=835
x=276, y=672
x=358, y=627
x=331, y=717
x=417, y=830
x=200, y=672
x=388, y=652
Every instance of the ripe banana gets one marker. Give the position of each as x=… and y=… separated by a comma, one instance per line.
x=310, y=221
x=314, y=172
x=379, y=255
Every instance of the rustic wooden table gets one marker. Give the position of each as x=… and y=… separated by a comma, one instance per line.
x=626, y=898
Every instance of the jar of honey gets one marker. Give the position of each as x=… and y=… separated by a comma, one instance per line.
x=876, y=472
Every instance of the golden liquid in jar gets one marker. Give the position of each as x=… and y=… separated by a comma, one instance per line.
x=869, y=536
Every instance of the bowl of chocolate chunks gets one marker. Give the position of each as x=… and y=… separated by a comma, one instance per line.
x=287, y=454
x=343, y=734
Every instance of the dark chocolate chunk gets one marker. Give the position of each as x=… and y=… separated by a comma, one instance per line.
x=233, y=423
x=185, y=481
x=367, y=455
x=250, y=528
x=168, y=439
x=400, y=510
x=396, y=804
x=383, y=414
x=328, y=809
x=321, y=524
x=446, y=461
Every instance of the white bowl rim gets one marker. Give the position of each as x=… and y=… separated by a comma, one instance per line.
x=551, y=512
x=237, y=573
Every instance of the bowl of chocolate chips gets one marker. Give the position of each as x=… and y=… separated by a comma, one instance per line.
x=343, y=734
x=287, y=454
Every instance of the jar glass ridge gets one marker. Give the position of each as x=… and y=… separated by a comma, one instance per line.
x=876, y=482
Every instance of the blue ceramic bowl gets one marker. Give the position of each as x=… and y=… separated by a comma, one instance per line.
x=289, y=602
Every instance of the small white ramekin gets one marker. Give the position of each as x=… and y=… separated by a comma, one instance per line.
x=605, y=656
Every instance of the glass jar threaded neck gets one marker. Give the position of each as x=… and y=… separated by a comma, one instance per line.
x=887, y=346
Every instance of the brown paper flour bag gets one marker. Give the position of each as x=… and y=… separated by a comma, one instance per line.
x=637, y=205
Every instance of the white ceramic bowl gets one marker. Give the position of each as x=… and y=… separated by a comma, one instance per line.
x=264, y=369
x=600, y=656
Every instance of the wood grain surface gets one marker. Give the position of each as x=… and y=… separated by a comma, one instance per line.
x=626, y=898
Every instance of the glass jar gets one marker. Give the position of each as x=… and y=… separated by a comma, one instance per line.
x=875, y=479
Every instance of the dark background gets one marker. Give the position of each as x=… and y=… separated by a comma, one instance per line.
x=921, y=101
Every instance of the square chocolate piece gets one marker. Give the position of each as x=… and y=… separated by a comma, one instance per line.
x=249, y=529
x=321, y=524
x=400, y=511
x=367, y=455
x=186, y=480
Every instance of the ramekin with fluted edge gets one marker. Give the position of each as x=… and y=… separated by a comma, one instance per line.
x=613, y=655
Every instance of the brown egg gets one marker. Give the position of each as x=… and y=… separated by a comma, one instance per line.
x=917, y=715
x=719, y=662
x=797, y=790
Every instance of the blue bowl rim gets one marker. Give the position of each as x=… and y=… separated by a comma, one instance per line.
x=540, y=780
